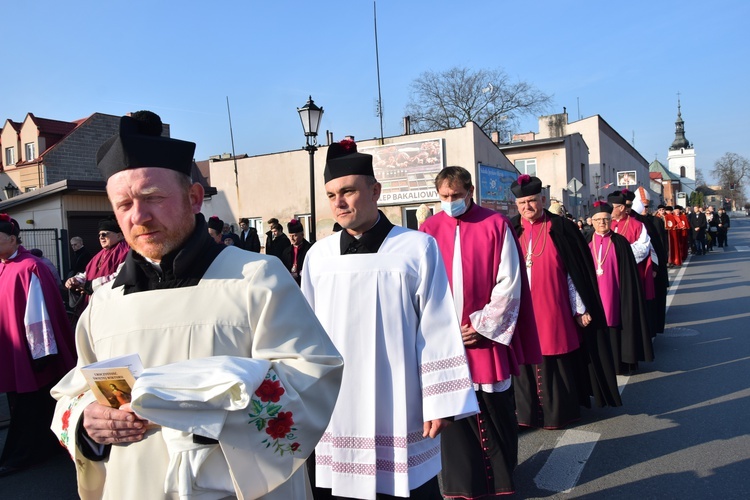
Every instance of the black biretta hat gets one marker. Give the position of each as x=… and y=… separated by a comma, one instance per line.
x=109, y=225
x=600, y=206
x=294, y=226
x=215, y=223
x=616, y=197
x=9, y=226
x=628, y=194
x=139, y=143
x=526, y=185
x=343, y=159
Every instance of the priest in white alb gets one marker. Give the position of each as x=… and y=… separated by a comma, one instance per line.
x=240, y=379
x=381, y=292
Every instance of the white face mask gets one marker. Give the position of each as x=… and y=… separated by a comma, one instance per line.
x=454, y=208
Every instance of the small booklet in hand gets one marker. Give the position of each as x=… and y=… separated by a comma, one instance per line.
x=112, y=380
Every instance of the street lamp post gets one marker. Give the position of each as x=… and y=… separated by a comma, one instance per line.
x=597, y=178
x=310, y=114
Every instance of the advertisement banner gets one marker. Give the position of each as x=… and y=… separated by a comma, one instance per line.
x=407, y=170
x=493, y=189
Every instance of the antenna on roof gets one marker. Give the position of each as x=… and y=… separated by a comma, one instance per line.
x=377, y=64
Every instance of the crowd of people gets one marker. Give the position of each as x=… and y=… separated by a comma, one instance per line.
x=681, y=231
x=365, y=365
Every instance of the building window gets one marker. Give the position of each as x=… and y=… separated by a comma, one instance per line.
x=682, y=172
x=10, y=156
x=305, y=220
x=527, y=166
x=30, y=151
x=257, y=223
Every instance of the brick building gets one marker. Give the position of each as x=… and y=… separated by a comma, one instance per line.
x=51, y=184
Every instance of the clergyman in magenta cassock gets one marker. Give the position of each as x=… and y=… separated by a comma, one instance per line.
x=36, y=349
x=620, y=291
x=492, y=301
x=577, y=361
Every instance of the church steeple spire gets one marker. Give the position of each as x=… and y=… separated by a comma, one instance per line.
x=680, y=142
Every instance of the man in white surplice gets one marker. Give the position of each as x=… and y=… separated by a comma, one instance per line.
x=381, y=293
x=240, y=379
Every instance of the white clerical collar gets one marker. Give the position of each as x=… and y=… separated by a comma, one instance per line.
x=12, y=256
x=358, y=236
x=154, y=264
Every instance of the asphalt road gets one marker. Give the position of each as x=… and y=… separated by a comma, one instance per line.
x=683, y=431
x=684, y=428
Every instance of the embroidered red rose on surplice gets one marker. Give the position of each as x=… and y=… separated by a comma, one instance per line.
x=281, y=425
x=270, y=390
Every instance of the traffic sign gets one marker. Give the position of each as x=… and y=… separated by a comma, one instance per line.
x=574, y=185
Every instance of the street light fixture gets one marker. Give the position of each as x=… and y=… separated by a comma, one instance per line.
x=310, y=114
x=10, y=191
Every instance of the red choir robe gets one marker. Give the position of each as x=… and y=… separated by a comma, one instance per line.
x=684, y=232
x=671, y=223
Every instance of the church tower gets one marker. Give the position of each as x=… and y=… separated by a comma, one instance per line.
x=681, y=156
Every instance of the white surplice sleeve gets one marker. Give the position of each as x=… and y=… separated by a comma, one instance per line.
x=40, y=335
x=654, y=257
x=447, y=390
x=497, y=320
x=576, y=303
x=642, y=246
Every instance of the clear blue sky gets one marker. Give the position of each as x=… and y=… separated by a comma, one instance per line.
x=625, y=61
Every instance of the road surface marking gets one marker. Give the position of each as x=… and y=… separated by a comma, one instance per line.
x=562, y=469
x=742, y=249
x=622, y=381
x=676, y=283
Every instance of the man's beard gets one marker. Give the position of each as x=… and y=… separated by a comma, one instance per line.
x=170, y=239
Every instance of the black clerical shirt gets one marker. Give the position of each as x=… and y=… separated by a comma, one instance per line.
x=370, y=240
x=179, y=268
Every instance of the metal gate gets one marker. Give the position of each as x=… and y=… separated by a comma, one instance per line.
x=45, y=240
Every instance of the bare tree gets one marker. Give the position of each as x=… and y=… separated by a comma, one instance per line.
x=699, y=179
x=732, y=171
x=489, y=98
